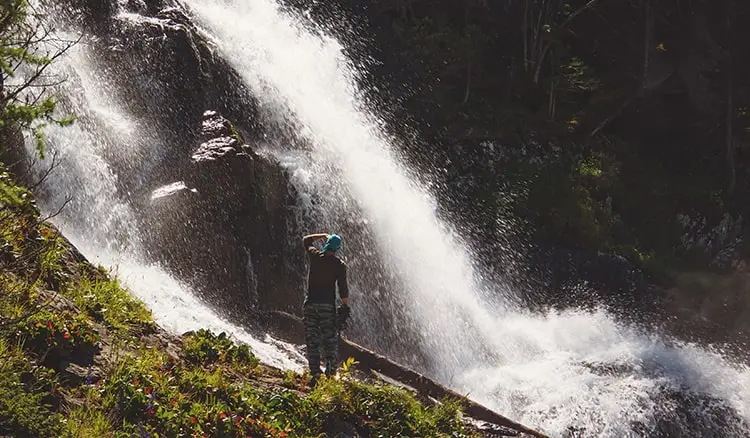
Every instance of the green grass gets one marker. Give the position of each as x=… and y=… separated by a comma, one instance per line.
x=386, y=410
x=169, y=398
x=206, y=348
x=86, y=422
x=105, y=300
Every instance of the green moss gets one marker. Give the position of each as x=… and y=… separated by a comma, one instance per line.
x=236, y=134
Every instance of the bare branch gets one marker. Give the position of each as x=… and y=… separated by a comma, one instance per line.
x=68, y=200
x=577, y=12
x=47, y=172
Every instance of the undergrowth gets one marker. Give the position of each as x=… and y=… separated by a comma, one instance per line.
x=26, y=396
x=57, y=311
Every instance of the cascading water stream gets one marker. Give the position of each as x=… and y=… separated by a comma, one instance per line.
x=308, y=77
x=100, y=220
x=561, y=372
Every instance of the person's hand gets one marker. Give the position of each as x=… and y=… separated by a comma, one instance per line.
x=343, y=316
x=345, y=310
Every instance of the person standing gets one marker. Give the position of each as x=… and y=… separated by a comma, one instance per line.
x=326, y=271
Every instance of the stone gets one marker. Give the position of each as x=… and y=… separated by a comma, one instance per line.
x=223, y=227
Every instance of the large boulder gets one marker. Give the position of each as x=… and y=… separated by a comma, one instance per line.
x=224, y=227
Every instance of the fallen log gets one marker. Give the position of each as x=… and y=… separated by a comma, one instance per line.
x=290, y=326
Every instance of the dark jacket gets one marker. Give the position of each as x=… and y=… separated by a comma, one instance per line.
x=326, y=271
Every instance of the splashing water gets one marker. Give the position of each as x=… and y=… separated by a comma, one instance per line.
x=556, y=372
x=100, y=220
x=308, y=76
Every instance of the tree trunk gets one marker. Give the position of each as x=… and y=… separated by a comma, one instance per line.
x=538, y=62
x=469, y=51
x=525, y=30
x=648, y=30
x=731, y=170
x=552, y=109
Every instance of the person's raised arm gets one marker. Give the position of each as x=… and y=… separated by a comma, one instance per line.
x=308, y=240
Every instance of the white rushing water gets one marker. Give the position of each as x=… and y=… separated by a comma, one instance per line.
x=543, y=372
x=101, y=222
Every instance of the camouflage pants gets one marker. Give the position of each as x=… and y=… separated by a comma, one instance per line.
x=321, y=333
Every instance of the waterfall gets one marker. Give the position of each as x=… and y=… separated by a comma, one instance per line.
x=99, y=217
x=561, y=372
x=566, y=373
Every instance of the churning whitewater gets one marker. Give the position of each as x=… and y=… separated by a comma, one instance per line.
x=561, y=372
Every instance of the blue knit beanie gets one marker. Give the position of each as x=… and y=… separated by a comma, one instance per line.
x=333, y=243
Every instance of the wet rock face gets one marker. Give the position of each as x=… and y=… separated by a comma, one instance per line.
x=224, y=226
x=220, y=140
x=610, y=279
x=152, y=57
x=214, y=211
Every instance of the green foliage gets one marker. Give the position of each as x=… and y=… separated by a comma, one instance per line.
x=12, y=195
x=385, y=410
x=158, y=395
x=348, y=366
x=105, y=300
x=561, y=206
x=65, y=331
x=26, y=51
x=27, y=395
x=291, y=380
x=206, y=348
x=579, y=77
x=236, y=134
x=87, y=422
x=29, y=249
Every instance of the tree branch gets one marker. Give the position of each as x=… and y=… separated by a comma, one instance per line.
x=67, y=201
x=47, y=172
x=39, y=72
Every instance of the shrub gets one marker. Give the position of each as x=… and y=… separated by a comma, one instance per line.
x=204, y=347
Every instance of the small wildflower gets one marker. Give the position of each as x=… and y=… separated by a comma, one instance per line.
x=89, y=378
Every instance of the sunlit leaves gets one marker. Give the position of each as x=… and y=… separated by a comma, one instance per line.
x=27, y=49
